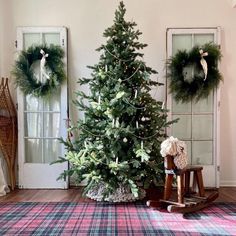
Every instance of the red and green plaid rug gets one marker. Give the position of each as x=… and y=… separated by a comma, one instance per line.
x=30, y=218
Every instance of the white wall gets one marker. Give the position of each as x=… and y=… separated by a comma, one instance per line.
x=86, y=21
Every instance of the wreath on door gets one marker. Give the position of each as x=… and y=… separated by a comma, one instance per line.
x=194, y=74
x=51, y=72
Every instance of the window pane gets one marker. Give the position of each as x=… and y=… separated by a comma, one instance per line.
x=51, y=150
x=181, y=107
x=202, y=127
x=189, y=151
x=33, y=103
x=202, y=153
x=33, y=151
x=53, y=102
x=204, y=105
x=181, y=42
x=33, y=125
x=201, y=39
x=51, y=38
x=51, y=125
x=30, y=39
x=182, y=129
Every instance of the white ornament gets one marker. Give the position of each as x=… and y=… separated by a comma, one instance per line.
x=143, y=118
x=106, y=68
x=136, y=93
x=113, y=123
x=137, y=124
x=99, y=100
x=203, y=62
x=141, y=144
x=125, y=140
x=42, y=65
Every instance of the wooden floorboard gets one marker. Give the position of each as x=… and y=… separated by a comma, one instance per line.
x=226, y=194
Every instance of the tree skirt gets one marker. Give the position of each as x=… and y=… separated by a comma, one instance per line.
x=121, y=194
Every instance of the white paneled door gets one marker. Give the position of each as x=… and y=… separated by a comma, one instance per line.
x=198, y=122
x=41, y=121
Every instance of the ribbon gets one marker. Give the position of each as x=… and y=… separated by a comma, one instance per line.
x=203, y=62
x=42, y=64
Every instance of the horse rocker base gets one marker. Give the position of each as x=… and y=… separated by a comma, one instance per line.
x=189, y=198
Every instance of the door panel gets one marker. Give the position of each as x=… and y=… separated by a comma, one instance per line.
x=198, y=125
x=41, y=120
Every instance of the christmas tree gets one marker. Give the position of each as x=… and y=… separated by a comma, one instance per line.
x=118, y=146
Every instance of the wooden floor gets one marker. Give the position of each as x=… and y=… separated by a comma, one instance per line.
x=226, y=194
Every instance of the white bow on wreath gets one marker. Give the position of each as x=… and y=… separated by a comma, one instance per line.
x=203, y=62
x=42, y=65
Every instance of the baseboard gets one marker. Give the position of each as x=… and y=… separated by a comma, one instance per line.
x=225, y=183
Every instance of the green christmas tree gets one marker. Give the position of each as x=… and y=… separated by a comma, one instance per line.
x=119, y=138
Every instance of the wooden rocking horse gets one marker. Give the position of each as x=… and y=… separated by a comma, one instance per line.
x=8, y=130
x=189, y=197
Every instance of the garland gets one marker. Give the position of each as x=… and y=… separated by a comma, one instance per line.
x=51, y=70
x=194, y=74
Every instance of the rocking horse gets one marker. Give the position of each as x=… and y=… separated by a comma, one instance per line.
x=189, y=198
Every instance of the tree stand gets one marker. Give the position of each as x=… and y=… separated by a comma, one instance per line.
x=189, y=198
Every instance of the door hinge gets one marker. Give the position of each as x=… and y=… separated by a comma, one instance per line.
x=16, y=44
x=219, y=104
x=218, y=168
x=17, y=106
x=63, y=42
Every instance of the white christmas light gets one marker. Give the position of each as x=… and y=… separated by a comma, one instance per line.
x=136, y=93
x=99, y=100
x=137, y=124
x=163, y=105
x=141, y=144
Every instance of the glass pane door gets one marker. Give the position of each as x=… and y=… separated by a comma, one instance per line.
x=41, y=121
x=42, y=115
x=197, y=120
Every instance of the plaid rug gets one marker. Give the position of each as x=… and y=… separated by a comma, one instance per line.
x=30, y=218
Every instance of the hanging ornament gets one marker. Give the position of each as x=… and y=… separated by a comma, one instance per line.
x=136, y=93
x=141, y=144
x=99, y=100
x=143, y=118
x=137, y=124
x=125, y=140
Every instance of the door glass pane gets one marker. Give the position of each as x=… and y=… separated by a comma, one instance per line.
x=181, y=42
x=33, y=125
x=51, y=38
x=202, y=152
x=51, y=150
x=53, y=103
x=189, y=151
x=33, y=150
x=201, y=39
x=33, y=103
x=51, y=125
x=202, y=127
x=204, y=105
x=182, y=129
x=30, y=39
x=181, y=107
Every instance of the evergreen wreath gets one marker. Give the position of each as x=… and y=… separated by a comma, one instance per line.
x=53, y=64
x=194, y=74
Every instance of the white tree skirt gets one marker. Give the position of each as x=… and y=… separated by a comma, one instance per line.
x=121, y=194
